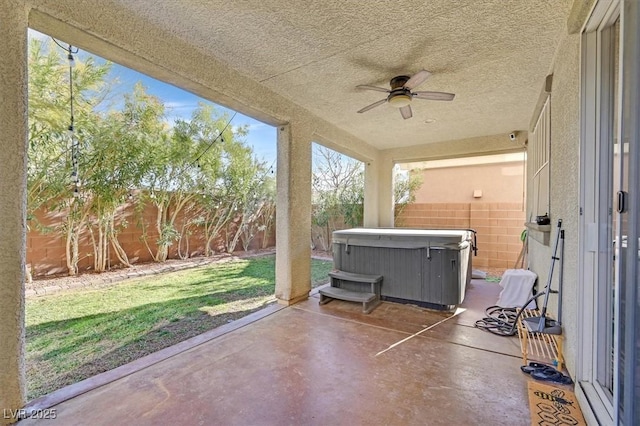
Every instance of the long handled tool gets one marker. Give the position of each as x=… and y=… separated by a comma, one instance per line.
x=542, y=324
x=522, y=257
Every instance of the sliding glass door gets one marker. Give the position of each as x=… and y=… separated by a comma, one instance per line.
x=628, y=207
x=601, y=176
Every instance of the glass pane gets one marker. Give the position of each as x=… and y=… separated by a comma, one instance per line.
x=616, y=188
x=610, y=161
x=629, y=228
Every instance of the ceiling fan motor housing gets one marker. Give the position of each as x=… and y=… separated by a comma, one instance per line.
x=399, y=81
x=399, y=96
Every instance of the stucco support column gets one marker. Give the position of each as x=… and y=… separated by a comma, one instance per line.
x=13, y=157
x=385, y=195
x=293, y=216
x=371, y=218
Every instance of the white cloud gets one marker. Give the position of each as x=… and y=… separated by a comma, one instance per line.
x=257, y=125
x=176, y=105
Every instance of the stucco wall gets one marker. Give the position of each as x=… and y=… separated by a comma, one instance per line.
x=499, y=183
x=13, y=147
x=564, y=191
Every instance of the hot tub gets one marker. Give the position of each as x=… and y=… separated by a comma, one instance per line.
x=427, y=267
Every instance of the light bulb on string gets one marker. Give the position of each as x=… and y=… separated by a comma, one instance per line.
x=75, y=146
x=71, y=130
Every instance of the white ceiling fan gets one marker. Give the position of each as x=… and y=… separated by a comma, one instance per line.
x=401, y=93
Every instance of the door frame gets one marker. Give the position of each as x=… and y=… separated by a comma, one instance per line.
x=596, y=174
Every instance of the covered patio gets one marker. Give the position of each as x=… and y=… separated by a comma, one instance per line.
x=329, y=364
x=558, y=79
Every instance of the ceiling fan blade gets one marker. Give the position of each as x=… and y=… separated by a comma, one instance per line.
x=405, y=111
x=417, y=79
x=434, y=96
x=373, y=105
x=376, y=88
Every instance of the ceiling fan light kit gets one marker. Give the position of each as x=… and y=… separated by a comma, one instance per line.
x=401, y=94
x=400, y=100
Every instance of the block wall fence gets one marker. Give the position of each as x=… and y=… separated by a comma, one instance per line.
x=498, y=227
x=46, y=250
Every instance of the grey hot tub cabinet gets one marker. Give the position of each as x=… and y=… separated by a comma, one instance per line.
x=428, y=267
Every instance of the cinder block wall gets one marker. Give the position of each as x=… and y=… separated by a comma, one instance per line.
x=435, y=215
x=46, y=248
x=498, y=227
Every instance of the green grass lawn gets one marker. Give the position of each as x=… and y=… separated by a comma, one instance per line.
x=75, y=335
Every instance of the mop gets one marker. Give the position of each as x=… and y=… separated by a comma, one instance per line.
x=542, y=324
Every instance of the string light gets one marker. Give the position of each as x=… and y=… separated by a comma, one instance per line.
x=75, y=144
x=70, y=58
x=75, y=147
x=214, y=140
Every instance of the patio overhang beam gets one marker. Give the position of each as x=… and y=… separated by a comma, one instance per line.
x=471, y=147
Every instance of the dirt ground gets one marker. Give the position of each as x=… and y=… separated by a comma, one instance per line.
x=47, y=285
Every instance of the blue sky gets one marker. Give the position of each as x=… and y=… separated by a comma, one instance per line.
x=180, y=104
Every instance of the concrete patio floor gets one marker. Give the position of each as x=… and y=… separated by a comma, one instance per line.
x=311, y=364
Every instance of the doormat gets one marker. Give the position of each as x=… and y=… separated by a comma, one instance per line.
x=551, y=405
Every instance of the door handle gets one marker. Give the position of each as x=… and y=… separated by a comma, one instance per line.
x=622, y=201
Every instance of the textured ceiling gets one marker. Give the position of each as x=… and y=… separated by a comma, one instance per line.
x=493, y=54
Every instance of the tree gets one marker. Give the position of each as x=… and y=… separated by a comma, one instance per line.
x=210, y=132
x=49, y=171
x=264, y=222
x=247, y=182
x=195, y=173
x=115, y=164
x=202, y=171
x=47, y=168
x=405, y=185
x=338, y=193
x=169, y=178
x=259, y=207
